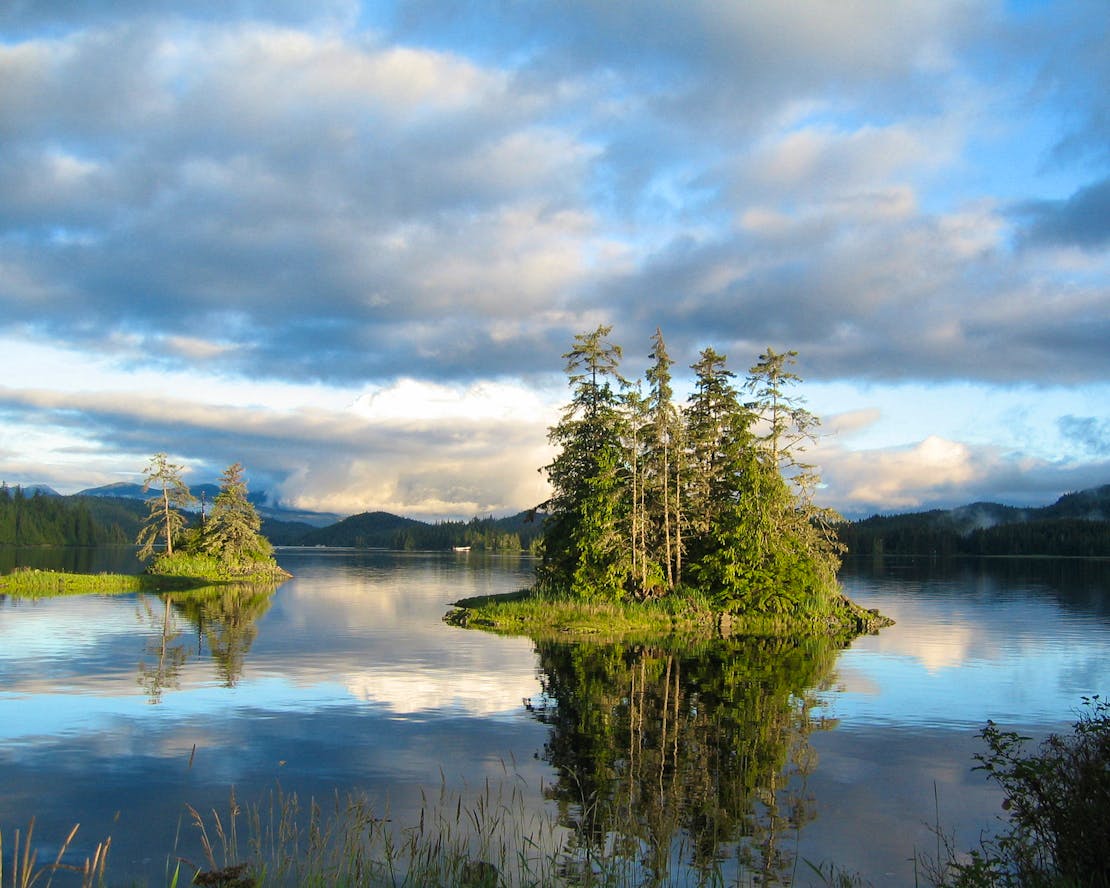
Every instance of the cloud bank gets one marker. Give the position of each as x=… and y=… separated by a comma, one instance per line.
x=397, y=201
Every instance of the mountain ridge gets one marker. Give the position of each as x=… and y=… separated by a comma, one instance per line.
x=1077, y=523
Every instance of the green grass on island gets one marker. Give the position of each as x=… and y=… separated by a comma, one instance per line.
x=168, y=573
x=541, y=615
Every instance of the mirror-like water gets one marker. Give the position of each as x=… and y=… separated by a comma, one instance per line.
x=117, y=711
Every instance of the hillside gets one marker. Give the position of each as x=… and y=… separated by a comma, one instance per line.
x=1077, y=524
x=369, y=530
x=384, y=530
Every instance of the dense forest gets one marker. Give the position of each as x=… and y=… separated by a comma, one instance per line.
x=382, y=530
x=1075, y=525
x=41, y=519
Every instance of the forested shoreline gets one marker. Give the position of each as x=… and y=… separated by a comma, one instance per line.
x=39, y=519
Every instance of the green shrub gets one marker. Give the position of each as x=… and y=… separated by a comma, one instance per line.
x=1058, y=805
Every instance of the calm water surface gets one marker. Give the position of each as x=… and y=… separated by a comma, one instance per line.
x=117, y=711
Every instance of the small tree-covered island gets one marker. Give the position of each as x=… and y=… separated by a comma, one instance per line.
x=225, y=545
x=680, y=517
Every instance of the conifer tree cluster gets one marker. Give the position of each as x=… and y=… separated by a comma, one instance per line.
x=231, y=535
x=651, y=497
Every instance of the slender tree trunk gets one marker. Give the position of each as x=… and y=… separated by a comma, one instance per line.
x=169, y=530
x=667, y=513
x=677, y=528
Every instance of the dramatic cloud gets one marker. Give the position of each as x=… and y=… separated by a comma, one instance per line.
x=377, y=200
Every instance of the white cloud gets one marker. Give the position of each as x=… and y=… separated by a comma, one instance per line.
x=270, y=213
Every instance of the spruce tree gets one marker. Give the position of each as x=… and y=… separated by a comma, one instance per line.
x=663, y=458
x=233, y=531
x=585, y=550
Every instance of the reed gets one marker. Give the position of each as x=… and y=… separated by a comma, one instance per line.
x=25, y=872
x=492, y=840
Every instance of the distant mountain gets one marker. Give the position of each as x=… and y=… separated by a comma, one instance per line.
x=285, y=533
x=260, y=498
x=371, y=530
x=387, y=531
x=1076, y=524
x=33, y=489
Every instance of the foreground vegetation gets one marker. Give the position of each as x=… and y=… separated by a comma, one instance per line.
x=1057, y=834
x=1057, y=801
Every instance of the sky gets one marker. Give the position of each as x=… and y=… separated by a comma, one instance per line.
x=347, y=244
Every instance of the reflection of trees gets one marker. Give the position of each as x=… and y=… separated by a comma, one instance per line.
x=670, y=756
x=224, y=616
x=227, y=616
x=164, y=655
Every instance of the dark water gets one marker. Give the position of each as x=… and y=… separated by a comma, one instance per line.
x=115, y=712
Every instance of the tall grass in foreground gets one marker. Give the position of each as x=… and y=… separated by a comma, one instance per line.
x=494, y=841
x=25, y=871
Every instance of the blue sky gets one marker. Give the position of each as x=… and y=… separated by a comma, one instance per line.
x=346, y=244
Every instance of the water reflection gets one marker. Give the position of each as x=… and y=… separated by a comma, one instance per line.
x=347, y=678
x=227, y=618
x=672, y=756
x=166, y=654
x=72, y=559
x=224, y=616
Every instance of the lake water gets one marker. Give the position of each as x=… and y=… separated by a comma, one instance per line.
x=116, y=712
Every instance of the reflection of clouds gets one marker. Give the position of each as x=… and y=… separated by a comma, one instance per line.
x=937, y=646
x=46, y=632
x=853, y=681
x=478, y=693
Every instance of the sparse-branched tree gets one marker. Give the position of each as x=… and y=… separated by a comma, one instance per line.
x=663, y=457
x=788, y=428
x=164, y=520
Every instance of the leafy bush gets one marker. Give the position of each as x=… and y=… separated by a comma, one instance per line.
x=1058, y=803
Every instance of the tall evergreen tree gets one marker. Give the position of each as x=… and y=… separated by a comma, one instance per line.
x=584, y=551
x=663, y=458
x=164, y=519
x=789, y=426
x=789, y=429
x=644, y=572
x=233, y=531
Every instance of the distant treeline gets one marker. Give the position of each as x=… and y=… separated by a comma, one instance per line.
x=39, y=519
x=515, y=533
x=1075, y=525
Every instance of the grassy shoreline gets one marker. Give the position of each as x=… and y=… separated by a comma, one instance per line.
x=538, y=615
x=34, y=583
